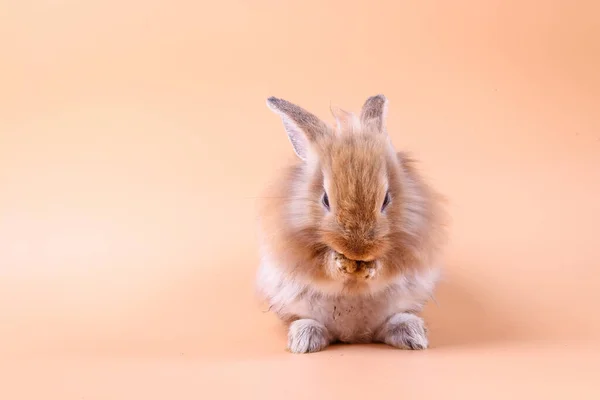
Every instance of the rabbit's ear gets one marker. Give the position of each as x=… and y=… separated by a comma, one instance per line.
x=301, y=126
x=374, y=113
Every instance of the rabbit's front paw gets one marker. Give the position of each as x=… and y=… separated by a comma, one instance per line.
x=307, y=336
x=405, y=331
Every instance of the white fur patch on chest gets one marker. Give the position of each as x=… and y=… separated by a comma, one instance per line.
x=348, y=317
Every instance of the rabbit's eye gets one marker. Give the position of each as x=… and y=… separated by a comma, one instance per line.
x=326, y=201
x=386, y=201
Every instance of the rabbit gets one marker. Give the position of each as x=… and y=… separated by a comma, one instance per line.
x=350, y=235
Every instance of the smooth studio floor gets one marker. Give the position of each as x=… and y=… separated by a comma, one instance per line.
x=135, y=142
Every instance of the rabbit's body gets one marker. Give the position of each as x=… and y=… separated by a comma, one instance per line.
x=351, y=235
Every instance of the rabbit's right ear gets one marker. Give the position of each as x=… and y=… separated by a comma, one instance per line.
x=301, y=126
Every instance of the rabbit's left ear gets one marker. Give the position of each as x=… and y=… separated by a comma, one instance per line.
x=374, y=113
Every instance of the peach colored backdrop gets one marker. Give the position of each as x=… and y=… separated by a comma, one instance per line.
x=134, y=141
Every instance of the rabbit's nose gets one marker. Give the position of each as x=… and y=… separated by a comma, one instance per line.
x=358, y=247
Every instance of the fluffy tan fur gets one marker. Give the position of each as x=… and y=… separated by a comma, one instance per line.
x=355, y=164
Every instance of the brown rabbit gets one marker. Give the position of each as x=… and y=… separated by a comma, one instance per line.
x=350, y=235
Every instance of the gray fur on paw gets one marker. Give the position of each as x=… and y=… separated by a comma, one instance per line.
x=307, y=336
x=406, y=331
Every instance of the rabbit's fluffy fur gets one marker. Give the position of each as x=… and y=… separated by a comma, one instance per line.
x=350, y=235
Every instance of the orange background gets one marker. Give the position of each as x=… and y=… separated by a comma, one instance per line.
x=135, y=140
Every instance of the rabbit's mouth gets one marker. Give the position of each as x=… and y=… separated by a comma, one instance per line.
x=355, y=268
x=361, y=249
x=354, y=259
